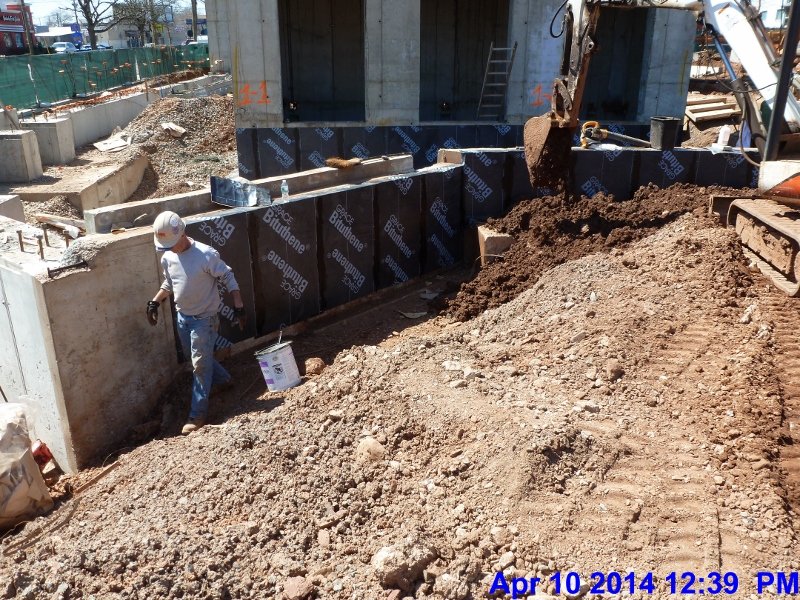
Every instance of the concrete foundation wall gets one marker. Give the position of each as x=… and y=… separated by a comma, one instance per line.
x=254, y=26
x=219, y=43
x=666, y=63
x=392, y=46
x=112, y=364
x=28, y=367
x=392, y=60
x=92, y=123
x=537, y=60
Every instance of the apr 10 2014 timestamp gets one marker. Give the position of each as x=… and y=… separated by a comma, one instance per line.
x=713, y=583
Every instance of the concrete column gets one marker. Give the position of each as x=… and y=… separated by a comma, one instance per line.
x=255, y=62
x=219, y=38
x=537, y=60
x=392, y=70
x=21, y=161
x=666, y=64
x=56, y=140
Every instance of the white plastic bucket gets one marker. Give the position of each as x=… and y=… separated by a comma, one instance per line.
x=278, y=367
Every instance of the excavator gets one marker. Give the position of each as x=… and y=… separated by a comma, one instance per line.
x=769, y=225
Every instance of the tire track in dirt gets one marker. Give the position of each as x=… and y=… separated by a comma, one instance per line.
x=689, y=532
x=783, y=313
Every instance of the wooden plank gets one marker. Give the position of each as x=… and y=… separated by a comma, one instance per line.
x=693, y=100
x=59, y=220
x=701, y=108
x=713, y=115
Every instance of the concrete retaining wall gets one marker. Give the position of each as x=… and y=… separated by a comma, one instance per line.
x=95, y=122
x=29, y=370
x=111, y=363
x=82, y=356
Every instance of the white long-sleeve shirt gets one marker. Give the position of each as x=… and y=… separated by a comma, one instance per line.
x=192, y=276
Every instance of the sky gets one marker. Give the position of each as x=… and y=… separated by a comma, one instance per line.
x=42, y=8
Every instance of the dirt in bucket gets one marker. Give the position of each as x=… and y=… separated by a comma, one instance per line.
x=547, y=153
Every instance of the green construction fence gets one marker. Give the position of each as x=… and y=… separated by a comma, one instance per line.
x=30, y=81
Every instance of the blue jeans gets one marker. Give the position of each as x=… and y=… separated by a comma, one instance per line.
x=198, y=336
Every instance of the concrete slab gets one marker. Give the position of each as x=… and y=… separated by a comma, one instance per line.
x=56, y=140
x=11, y=208
x=21, y=160
x=102, y=185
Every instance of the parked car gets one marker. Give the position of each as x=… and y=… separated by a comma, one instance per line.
x=88, y=48
x=201, y=39
x=61, y=47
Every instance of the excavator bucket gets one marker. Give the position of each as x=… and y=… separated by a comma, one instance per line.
x=547, y=153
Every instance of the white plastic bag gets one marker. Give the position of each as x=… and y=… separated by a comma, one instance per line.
x=23, y=492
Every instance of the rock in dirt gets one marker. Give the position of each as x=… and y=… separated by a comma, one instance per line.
x=298, y=588
x=314, y=366
x=402, y=565
x=451, y=588
x=613, y=369
x=369, y=450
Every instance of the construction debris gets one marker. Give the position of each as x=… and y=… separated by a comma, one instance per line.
x=175, y=131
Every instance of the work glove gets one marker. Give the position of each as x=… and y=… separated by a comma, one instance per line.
x=241, y=317
x=152, y=312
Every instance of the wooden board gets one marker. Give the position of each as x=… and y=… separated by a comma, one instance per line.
x=713, y=115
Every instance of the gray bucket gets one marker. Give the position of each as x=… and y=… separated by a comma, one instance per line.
x=278, y=367
x=664, y=132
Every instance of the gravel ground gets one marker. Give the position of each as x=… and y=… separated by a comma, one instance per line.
x=625, y=412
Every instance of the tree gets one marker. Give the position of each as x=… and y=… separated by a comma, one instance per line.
x=99, y=17
x=142, y=14
x=59, y=17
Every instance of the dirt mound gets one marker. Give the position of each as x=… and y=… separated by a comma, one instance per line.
x=182, y=164
x=620, y=412
x=549, y=231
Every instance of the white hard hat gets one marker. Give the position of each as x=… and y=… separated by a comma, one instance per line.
x=167, y=230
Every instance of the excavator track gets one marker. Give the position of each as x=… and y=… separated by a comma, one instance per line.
x=770, y=232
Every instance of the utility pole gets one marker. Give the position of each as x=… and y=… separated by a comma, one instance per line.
x=195, y=30
x=26, y=26
x=153, y=20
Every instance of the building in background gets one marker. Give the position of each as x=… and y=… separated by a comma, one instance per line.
x=774, y=13
x=12, y=29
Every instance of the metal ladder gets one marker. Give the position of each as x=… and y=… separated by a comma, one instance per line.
x=495, y=82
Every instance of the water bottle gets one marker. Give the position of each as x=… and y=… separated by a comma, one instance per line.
x=724, y=135
x=284, y=190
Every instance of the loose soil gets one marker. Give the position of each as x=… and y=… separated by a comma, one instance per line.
x=552, y=230
x=628, y=410
x=182, y=164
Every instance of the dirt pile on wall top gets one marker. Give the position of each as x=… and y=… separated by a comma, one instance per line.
x=549, y=231
x=207, y=148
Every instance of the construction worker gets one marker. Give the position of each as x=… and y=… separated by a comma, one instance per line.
x=192, y=271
